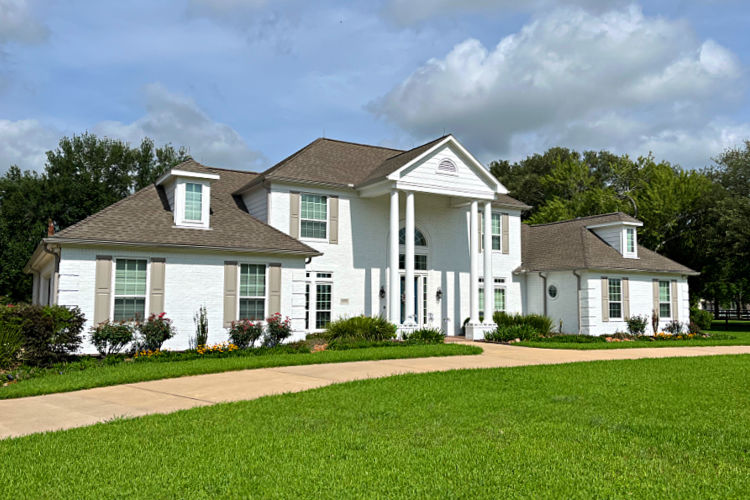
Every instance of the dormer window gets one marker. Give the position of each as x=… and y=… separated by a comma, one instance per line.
x=189, y=197
x=630, y=240
x=193, y=202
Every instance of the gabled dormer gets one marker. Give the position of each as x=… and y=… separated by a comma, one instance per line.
x=622, y=235
x=189, y=197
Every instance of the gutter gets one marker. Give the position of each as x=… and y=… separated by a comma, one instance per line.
x=55, y=272
x=186, y=246
x=544, y=290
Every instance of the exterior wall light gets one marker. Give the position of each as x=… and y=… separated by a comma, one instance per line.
x=382, y=292
x=439, y=294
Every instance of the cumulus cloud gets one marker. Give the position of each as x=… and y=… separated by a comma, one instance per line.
x=405, y=12
x=176, y=119
x=617, y=80
x=169, y=118
x=17, y=23
x=24, y=143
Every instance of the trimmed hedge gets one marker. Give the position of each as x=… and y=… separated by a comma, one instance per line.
x=360, y=328
x=507, y=333
x=542, y=325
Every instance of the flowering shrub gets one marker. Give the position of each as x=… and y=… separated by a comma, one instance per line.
x=244, y=333
x=154, y=332
x=147, y=354
x=278, y=329
x=216, y=348
x=111, y=338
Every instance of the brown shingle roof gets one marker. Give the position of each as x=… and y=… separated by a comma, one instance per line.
x=569, y=245
x=397, y=161
x=145, y=218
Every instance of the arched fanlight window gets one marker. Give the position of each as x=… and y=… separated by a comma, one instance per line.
x=419, y=239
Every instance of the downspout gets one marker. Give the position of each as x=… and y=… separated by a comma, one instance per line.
x=544, y=291
x=55, y=273
x=578, y=297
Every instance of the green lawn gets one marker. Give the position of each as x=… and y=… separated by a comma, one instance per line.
x=123, y=373
x=740, y=330
x=654, y=428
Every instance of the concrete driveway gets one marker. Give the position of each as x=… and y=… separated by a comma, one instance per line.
x=75, y=409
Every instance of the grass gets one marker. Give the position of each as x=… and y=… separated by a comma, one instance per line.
x=740, y=330
x=654, y=428
x=123, y=373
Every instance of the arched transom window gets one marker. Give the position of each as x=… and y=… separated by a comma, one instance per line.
x=420, y=250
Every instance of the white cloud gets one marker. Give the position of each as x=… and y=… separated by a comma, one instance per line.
x=169, y=118
x=24, y=144
x=178, y=120
x=616, y=80
x=407, y=12
x=17, y=23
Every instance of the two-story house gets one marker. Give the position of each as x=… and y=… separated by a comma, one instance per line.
x=421, y=237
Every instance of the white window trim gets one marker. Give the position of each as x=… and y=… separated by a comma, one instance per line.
x=481, y=232
x=312, y=311
x=621, y=317
x=327, y=221
x=265, y=289
x=146, y=302
x=184, y=207
x=499, y=284
x=668, y=302
x=557, y=287
x=625, y=252
x=180, y=194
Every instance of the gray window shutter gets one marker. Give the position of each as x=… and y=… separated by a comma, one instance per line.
x=625, y=298
x=294, y=215
x=504, y=228
x=333, y=220
x=230, y=292
x=156, y=292
x=655, y=312
x=675, y=302
x=103, y=288
x=274, y=288
x=605, y=299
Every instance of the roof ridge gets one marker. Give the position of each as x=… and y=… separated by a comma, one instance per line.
x=416, y=147
x=191, y=159
x=358, y=144
x=579, y=219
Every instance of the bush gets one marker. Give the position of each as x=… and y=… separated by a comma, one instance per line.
x=425, y=336
x=345, y=344
x=245, y=333
x=674, y=327
x=201, y=327
x=154, y=332
x=50, y=333
x=637, y=324
x=507, y=333
x=542, y=325
x=703, y=319
x=11, y=342
x=573, y=339
x=111, y=338
x=278, y=330
x=361, y=328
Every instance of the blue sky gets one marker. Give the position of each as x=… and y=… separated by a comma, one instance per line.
x=244, y=83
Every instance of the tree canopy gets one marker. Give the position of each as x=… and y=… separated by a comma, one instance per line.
x=698, y=218
x=82, y=176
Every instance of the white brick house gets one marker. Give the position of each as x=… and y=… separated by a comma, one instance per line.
x=324, y=233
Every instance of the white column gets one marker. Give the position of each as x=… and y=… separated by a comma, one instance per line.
x=489, y=280
x=394, y=288
x=409, y=317
x=473, y=262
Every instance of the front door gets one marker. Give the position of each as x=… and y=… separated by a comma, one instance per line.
x=420, y=299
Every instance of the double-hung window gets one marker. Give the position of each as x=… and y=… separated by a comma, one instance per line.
x=665, y=300
x=193, y=202
x=314, y=216
x=499, y=298
x=130, y=289
x=496, y=231
x=252, y=291
x=615, y=298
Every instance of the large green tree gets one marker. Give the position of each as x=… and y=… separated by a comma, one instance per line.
x=82, y=176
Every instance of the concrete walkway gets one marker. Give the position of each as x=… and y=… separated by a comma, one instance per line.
x=80, y=408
